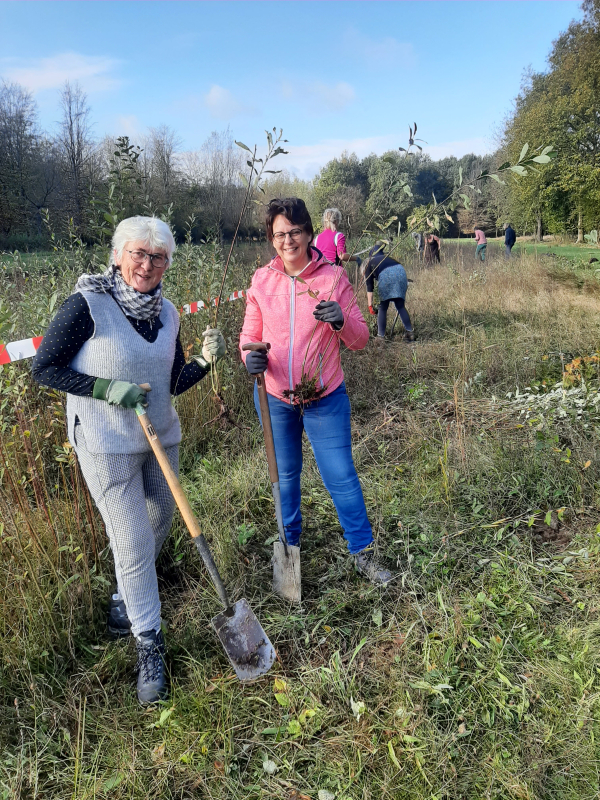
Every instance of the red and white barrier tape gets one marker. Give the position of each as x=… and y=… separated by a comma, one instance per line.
x=27, y=348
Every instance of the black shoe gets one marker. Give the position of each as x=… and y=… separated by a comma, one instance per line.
x=118, y=623
x=366, y=565
x=152, y=681
x=409, y=336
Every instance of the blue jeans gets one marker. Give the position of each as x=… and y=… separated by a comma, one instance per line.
x=327, y=425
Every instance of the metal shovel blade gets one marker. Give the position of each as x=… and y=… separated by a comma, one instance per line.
x=246, y=644
x=286, y=572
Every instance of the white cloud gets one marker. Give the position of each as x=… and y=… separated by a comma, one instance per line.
x=306, y=160
x=128, y=126
x=93, y=73
x=478, y=145
x=319, y=97
x=222, y=104
x=385, y=52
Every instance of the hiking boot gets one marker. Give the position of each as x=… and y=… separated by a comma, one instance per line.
x=152, y=681
x=366, y=564
x=118, y=623
x=409, y=336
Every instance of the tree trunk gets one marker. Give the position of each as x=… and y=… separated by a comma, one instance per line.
x=539, y=236
x=579, y=227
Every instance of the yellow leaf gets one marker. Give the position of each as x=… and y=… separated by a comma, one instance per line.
x=279, y=685
x=587, y=464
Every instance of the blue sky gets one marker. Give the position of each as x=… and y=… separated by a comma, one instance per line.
x=334, y=75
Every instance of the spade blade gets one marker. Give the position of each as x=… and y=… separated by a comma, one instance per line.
x=286, y=572
x=246, y=644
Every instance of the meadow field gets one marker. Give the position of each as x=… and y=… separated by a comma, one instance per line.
x=475, y=674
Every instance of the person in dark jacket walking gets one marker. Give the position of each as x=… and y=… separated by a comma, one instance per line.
x=510, y=237
x=392, y=284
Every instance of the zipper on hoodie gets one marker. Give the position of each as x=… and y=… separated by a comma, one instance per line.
x=292, y=318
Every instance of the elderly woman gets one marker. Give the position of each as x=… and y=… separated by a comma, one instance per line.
x=331, y=242
x=116, y=331
x=304, y=306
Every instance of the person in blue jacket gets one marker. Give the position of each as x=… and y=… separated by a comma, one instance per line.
x=392, y=284
x=510, y=237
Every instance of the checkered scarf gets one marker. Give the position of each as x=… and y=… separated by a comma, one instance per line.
x=133, y=303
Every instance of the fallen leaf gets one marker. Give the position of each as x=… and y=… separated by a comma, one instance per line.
x=158, y=752
x=587, y=464
x=377, y=617
x=296, y=795
x=220, y=767
x=357, y=708
x=270, y=767
x=325, y=795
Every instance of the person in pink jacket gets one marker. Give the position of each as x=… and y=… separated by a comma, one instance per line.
x=331, y=242
x=481, y=242
x=305, y=307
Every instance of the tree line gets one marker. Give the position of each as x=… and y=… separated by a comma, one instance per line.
x=73, y=182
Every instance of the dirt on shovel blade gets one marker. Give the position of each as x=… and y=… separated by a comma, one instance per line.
x=245, y=642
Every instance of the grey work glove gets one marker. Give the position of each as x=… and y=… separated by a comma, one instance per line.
x=213, y=348
x=257, y=362
x=119, y=393
x=329, y=311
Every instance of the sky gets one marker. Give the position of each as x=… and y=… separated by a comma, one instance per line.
x=334, y=75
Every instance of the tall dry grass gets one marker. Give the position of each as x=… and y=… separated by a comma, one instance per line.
x=474, y=675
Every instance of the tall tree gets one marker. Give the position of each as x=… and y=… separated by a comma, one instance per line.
x=76, y=146
x=18, y=137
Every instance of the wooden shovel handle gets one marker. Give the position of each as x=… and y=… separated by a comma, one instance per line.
x=265, y=413
x=257, y=346
x=182, y=503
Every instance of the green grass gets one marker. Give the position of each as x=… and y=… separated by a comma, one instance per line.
x=573, y=251
x=476, y=674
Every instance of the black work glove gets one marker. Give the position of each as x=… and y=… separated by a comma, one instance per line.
x=257, y=361
x=331, y=312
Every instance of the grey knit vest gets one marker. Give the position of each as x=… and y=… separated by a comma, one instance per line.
x=117, y=351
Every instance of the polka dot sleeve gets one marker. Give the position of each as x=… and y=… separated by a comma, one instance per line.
x=69, y=330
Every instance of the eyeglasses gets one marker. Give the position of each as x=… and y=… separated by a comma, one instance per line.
x=156, y=259
x=295, y=233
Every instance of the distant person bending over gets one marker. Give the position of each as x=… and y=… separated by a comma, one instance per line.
x=481, y=242
x=392, y=284
x=432, y=248
x=510, y=237
x=331, y=242
x=419, y=243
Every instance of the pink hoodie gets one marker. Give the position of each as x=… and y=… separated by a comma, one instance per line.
x=280, y=311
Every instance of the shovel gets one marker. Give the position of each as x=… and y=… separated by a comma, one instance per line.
x=246, y=644
x=286, y=557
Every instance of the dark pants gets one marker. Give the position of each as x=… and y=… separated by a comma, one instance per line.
x=382, y=314
x=507, y=249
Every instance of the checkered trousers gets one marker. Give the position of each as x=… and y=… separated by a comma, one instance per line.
x=137, y=507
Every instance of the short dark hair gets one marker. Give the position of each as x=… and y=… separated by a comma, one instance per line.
x=293, y=209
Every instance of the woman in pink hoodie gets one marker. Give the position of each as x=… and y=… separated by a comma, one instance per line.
x=304, y=306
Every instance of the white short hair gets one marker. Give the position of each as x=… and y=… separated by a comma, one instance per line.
x=151, y=230
x=332, y=216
